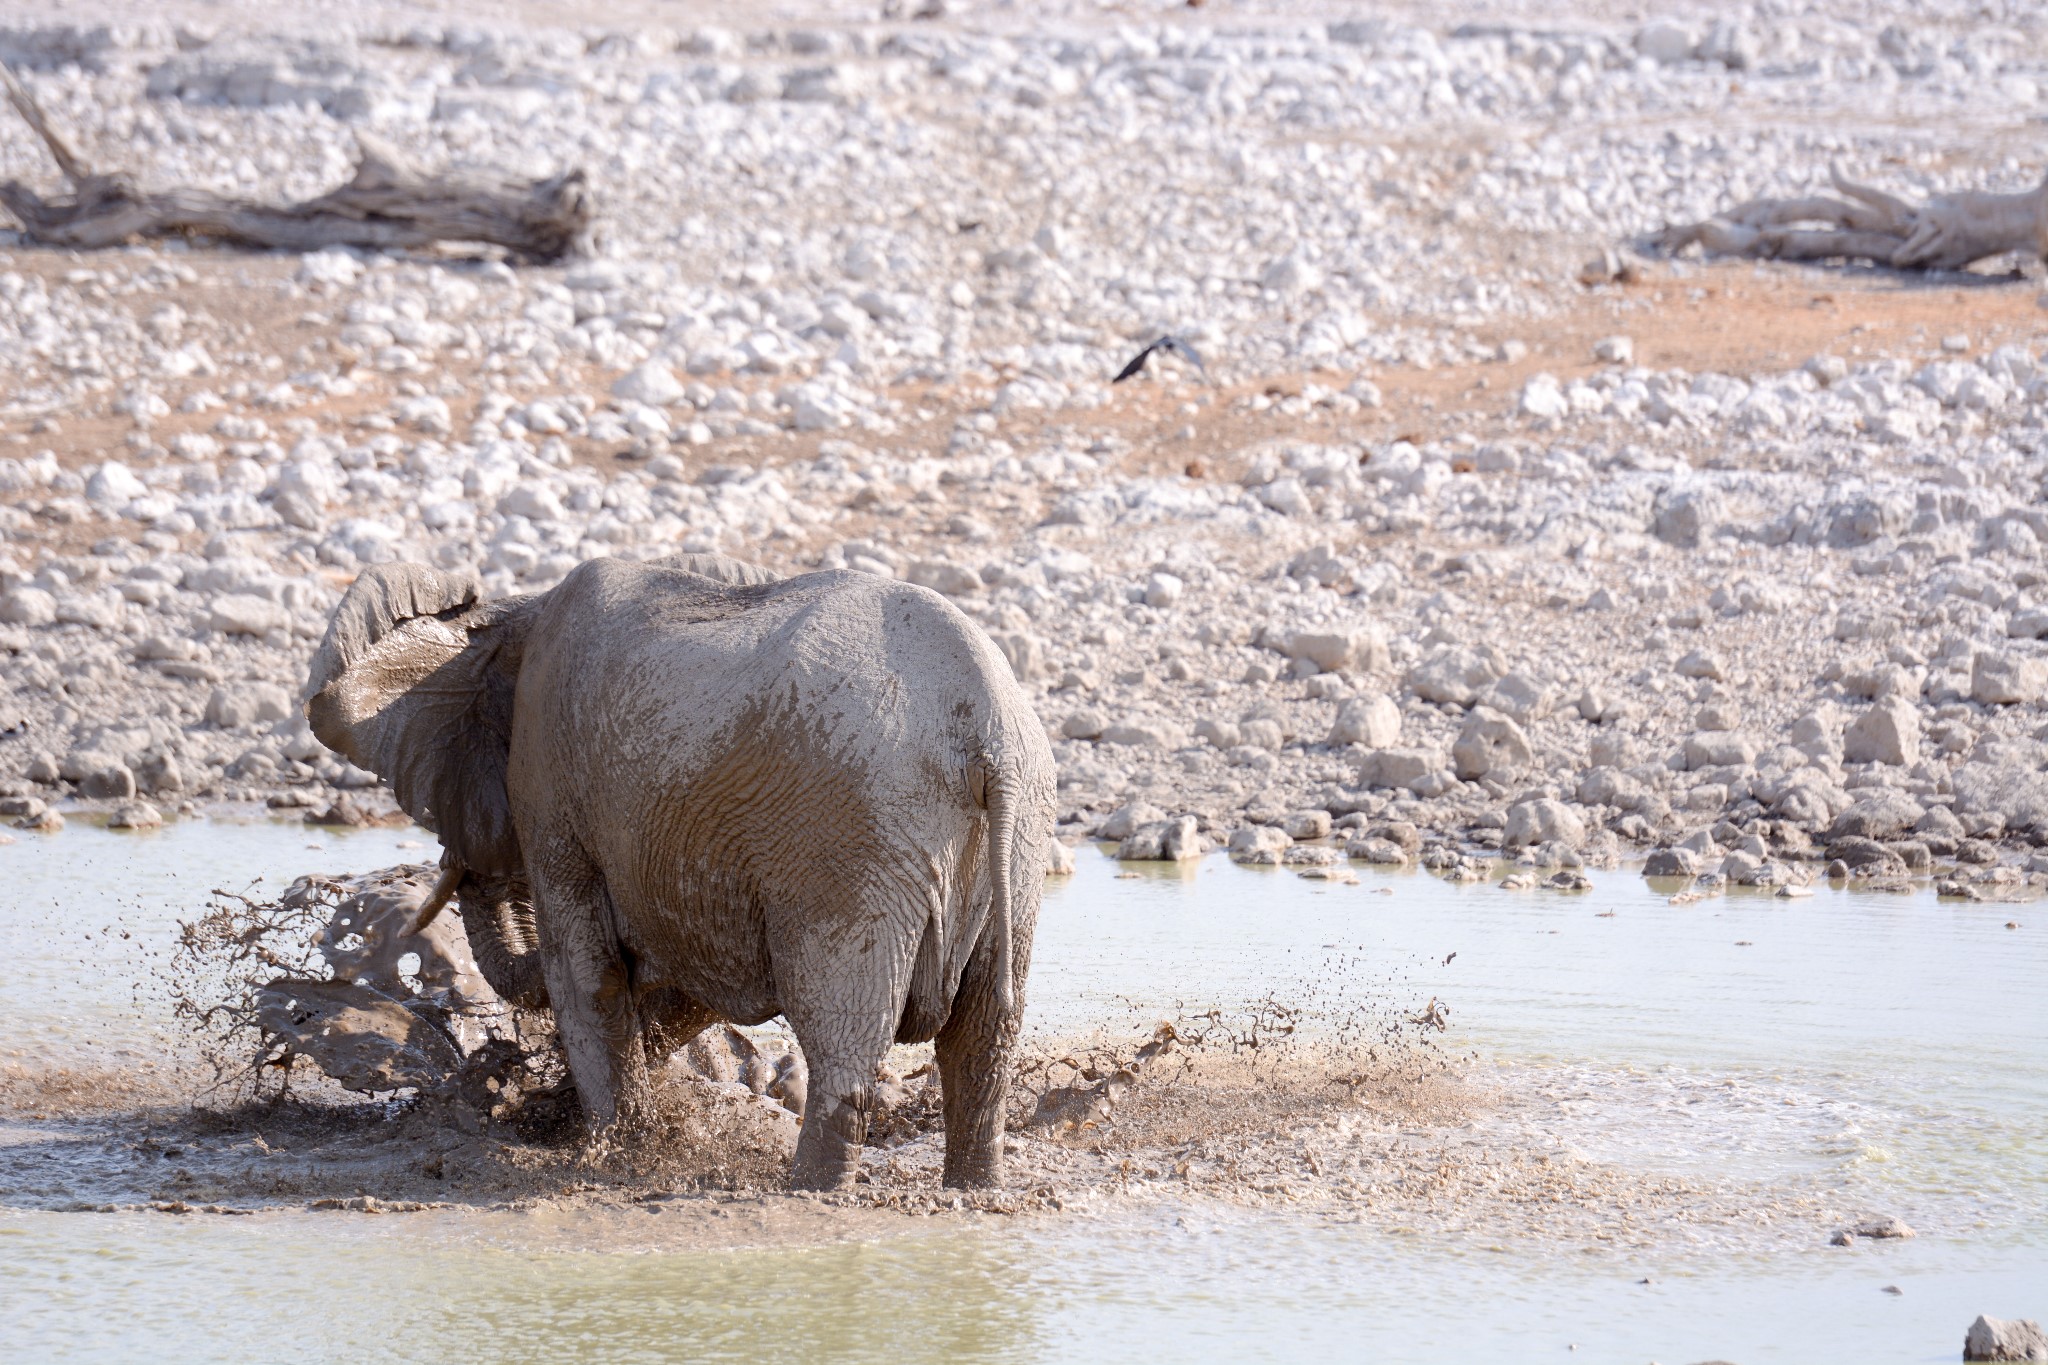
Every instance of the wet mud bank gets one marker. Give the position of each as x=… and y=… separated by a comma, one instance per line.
x=1478, y=1122
x=1602, y=1069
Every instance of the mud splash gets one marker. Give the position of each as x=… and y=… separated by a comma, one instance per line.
x=340, y=1061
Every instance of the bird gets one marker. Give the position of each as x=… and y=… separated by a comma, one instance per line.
x=1168, y=343
x=1447, y=961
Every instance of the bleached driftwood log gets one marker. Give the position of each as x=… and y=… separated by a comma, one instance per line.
x=388, y=204
x=1949, y=232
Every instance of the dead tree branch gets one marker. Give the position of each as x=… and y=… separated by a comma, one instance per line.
x=1949, y=232
x=387, y=205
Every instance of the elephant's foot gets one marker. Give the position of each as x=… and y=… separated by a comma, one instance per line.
x=975, y=1170
x=828, y=1148
x=630, y=1122
x=632, y=1118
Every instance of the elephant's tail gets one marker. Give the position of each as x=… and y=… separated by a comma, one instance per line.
x=998, y=797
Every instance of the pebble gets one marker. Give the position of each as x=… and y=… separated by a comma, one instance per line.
x=1615, y=350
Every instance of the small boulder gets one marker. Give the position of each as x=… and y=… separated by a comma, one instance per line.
x=237, y=613
x=1143, y=732
x=1672, y=862
x=1307, y=824
x=2007, y=679
x=1866, y=857
x=1887, y=733
x=2030, y=623
x=1410, y=768
x=1372, y=721
x=234, y=707
x=1258, y=844
x=1610, y=786
x=1126, y=820
x=114, y=484
x=1401, y=833
x=1543, y=821
x=1703, y=663
x=1664, y=42
x=1332, y=651
x=135, y=815
x=1519, y=696
x=649, y=382
x=110, y=780
x=1311, y=855
x=1380, y=852
x=1818, y=734
x=944, y=576
x=158, y=774
x=1883, y=814
x=1718, y=749
x=1084, y=725
x=28, y=607
x=1939, y=822
x=1262, y=732
x=345, y=813
x=1718, y=715
x=1743, y=868
x=1615, y=350
x=1490, y=745
x=1543, y=398
x=1684, y=517
x=1169, y=841
x=535, y=502
x=1882, y=1229
x=1456, y=674
x=2005, y=1339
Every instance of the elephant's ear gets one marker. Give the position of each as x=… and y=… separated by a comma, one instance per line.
x=414, y=681
x=720, y=569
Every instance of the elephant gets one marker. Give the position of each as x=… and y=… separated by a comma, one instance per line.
x=683, y=791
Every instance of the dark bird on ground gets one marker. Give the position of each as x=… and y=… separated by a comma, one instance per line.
x=1170, y=344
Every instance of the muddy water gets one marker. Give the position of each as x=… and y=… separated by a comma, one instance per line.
x=1788, y=1063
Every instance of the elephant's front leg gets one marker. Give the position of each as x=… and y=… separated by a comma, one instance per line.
x=973, y=1052
x=590, y=984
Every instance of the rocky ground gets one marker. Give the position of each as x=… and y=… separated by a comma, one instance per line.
x=1481, y=530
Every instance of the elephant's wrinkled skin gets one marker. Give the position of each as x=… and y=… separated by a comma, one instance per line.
x=732, y=797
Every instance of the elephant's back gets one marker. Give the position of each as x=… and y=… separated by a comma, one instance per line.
x=875, y=679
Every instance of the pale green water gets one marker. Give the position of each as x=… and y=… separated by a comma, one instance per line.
x=1894, y=1047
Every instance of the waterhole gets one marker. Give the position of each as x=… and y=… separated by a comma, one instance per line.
x=1632, y=1138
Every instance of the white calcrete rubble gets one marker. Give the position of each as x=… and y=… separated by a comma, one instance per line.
x=1570, y=606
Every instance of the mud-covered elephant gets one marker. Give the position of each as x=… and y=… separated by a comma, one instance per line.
x=685, y=791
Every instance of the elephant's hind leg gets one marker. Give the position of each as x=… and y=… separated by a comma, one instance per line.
x=973, y=1053
x=841, y=979
x=844, y=1056
x=590, y=983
